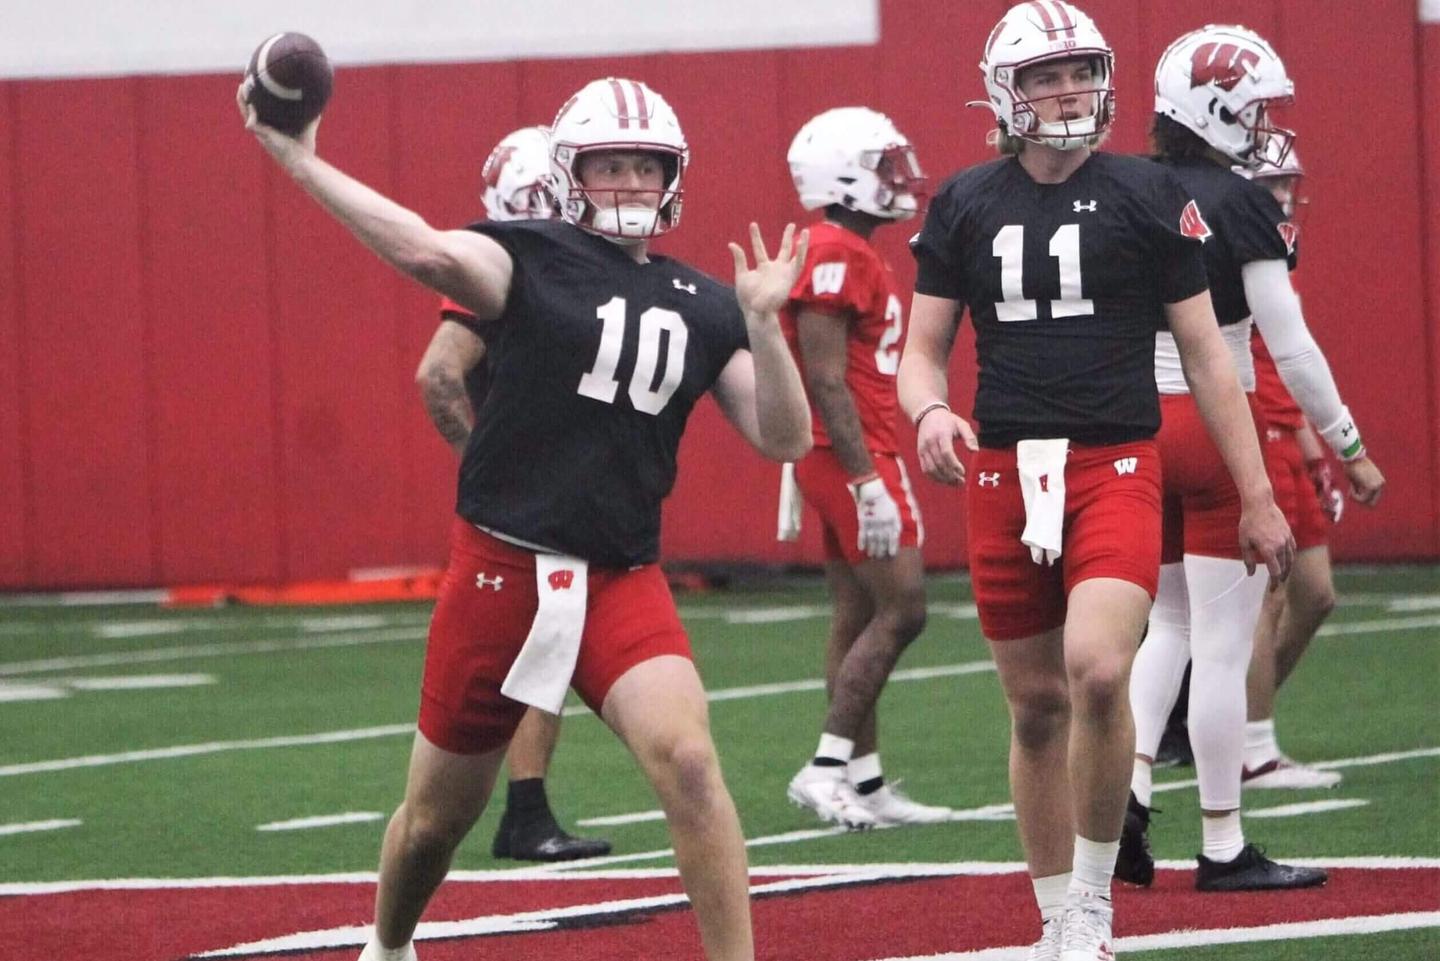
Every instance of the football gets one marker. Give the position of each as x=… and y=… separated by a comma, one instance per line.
x=288, y=81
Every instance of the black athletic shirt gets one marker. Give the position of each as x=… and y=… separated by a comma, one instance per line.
x=595, y=365
x=1244, y=222
x=1066, y=285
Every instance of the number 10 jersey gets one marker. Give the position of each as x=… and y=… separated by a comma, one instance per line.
x=1066, y=285
x=595, y=365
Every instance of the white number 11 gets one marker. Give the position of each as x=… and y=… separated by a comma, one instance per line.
x=1009, y=246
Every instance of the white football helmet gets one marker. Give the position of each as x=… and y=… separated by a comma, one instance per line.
x=617, y=114
x=855, y=157
x=1032, y=33
x=517, y=177
x=1222, y=83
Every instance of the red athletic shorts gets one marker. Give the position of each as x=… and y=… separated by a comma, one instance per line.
x=479, y=626
x=1112, y=529
x=826, y=487
x=1294, y=491
x=1202, y=503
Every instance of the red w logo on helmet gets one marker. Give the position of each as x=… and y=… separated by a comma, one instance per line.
x=1193, y=225
x=561, y=580
x=1223, y=64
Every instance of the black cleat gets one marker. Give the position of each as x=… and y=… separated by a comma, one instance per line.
x=1251, y=870
x=1135, y=864
x=542, y=839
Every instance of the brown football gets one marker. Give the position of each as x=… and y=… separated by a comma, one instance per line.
x=288, y=81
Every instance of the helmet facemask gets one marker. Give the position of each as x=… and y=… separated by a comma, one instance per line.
x=900, y=184
x=1070, y=133
x=601, y=210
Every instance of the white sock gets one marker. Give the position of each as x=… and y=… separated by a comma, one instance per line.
x=1050, y=894
x=374, y=952
x=1260, y=744
x=1160, y=663
x=1140, y=783
x=1224, y=838
x=862, y=769
x=1094, y=867
x=1224, y=606
x=837, y=748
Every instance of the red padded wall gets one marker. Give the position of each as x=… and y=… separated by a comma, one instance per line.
x=85, y=381
x=202, y=377
x=14, y=452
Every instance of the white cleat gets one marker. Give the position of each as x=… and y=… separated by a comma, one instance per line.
x=826, y=792
x=1281, y=772
x=891, y=806
x=1086, y=935
x=1048, y=947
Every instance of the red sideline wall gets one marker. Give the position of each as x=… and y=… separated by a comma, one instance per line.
x=202, y=378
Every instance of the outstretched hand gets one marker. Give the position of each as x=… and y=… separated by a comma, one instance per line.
x=766, y=287
x=282, y=146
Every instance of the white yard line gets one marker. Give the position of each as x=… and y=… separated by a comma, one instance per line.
x=1372, y=759
x=904, y=869
x=639, y=817
x=30, y=692
x=1291, y=931
x=322, y=821
x=1379, y=627
x=135, y=682
x=30, y=827
x=188, y=651
x=1306, y=807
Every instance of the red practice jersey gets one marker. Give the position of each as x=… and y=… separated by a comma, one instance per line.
x=845, y=278
x=1276, y=405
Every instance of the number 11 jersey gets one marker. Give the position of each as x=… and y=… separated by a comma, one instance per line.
x=595, y=365
x=1066, y=285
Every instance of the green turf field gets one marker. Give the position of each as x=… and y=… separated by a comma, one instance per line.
x=72, y=749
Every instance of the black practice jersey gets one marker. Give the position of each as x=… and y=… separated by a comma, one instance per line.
x=1243, y=222
x=1066, y=285
x=595, y=366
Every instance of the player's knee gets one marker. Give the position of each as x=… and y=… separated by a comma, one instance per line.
x=904, y=619
x=433, y=832
x=1040, y=714
x=1322, y=600
x=692, y=772
x=1099, y=682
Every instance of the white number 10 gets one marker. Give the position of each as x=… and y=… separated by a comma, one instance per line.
x=600, y=383
x=1009, y=246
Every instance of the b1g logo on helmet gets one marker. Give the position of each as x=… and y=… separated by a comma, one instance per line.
x=1223, y=64
x=1193, y=225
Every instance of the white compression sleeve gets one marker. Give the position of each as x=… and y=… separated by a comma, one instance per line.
x=1298, y=358
x=1160, y=663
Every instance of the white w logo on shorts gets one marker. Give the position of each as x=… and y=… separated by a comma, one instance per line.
x=1126, y=465
x=828, y=278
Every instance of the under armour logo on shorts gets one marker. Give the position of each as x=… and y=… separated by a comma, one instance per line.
x=482, y=582
x=988, y=479
x=561, y=580
x=1126, y=465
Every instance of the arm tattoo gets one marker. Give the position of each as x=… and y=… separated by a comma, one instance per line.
x=448, y=406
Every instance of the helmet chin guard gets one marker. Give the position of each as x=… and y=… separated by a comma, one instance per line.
x=623, y=115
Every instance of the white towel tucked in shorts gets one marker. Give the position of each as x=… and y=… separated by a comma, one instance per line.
x=545, y=665
x=1041, y=464
x=787, y=524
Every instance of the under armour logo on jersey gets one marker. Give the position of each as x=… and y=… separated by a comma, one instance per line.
x=828, y=278
x=482, y=582
x=561, y=580
x=1193, y=225
x=1126, y=465
x=988, y=479
x=1086, y=208
x=688, y=288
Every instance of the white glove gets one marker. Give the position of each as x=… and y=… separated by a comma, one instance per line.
x=879, y=518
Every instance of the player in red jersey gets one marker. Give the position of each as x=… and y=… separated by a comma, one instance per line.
x=1069, y=260
x=1306, y=492
x=599, y=350
x=452, y=379
x=844, y=323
